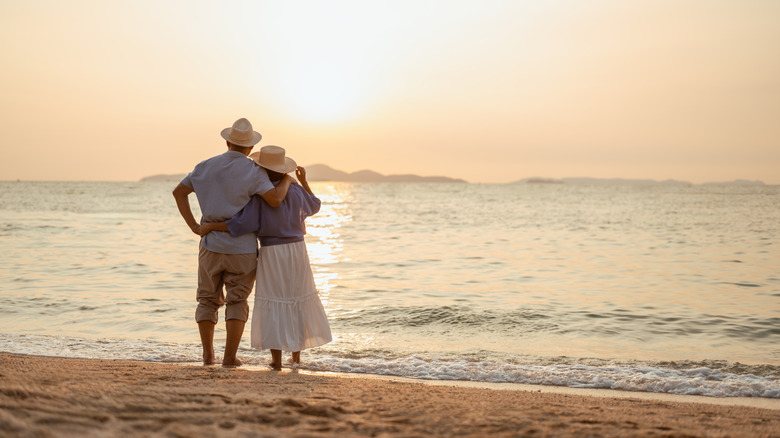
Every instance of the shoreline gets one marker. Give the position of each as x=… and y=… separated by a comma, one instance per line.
x=753, y=402
x=50, y=396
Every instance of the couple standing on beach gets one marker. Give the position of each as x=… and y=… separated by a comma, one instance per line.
x=244, y=200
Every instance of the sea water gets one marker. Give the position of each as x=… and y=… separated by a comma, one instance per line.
x=657, y=288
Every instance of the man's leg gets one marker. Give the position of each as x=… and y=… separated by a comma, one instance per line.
x=210, y=299
x=206, y=329
x=239, y=277
x=235, y=329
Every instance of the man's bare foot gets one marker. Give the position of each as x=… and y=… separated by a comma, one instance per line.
x=231, y=363
x=208, y=359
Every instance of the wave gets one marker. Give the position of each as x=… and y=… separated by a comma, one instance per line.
x=443, y=315
x=564, y=321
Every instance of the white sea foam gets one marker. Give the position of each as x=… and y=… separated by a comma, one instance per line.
x=702, y=381
x=121, y=349
x=699, y=381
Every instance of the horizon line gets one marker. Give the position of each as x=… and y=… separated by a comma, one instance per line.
x=527, y=180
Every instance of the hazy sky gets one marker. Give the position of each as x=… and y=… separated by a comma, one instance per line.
x=487, y=91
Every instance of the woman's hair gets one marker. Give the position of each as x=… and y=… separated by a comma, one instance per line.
x=274, y=176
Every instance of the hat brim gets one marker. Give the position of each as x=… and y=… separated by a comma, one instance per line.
x=256, y=137
x=289, y=164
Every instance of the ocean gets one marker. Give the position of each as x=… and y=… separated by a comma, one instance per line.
x=641, y=287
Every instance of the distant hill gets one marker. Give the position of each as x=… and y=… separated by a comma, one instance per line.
x=321, y=172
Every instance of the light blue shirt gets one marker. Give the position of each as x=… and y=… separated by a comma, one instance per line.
x=224, y=185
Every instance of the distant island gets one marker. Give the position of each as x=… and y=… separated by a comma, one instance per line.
x=321, y=172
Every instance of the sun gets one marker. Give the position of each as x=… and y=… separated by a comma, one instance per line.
x=324, y=62
x=321, y=91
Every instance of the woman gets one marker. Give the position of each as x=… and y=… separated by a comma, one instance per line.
x=287, y=314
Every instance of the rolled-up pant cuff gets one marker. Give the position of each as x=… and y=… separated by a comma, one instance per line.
x=238, y=310
x=206, y=313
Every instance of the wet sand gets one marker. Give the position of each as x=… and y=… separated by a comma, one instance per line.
x=42, y=396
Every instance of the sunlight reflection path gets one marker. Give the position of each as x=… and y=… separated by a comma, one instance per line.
x=324, y=240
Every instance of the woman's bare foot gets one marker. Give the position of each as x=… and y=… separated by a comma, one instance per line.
x=296, y=357
x=231, y=363
x=276, y=359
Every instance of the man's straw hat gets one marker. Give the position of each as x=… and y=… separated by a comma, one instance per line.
x=241, y=134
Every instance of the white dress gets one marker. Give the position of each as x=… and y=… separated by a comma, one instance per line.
x=288, y=314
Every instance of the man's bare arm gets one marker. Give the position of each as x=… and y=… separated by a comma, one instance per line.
x=275, y=196
x=208, y=227
x=181, y=193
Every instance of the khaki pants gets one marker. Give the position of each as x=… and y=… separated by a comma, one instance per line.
x=236, y=272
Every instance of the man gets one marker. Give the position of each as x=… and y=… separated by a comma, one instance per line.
x=223, y=185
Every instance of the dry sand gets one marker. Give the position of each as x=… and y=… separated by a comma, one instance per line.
x=41, y=396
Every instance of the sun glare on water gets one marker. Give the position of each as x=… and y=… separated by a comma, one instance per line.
x=324, y=242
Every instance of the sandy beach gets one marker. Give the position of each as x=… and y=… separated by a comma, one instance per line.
x=43, y=396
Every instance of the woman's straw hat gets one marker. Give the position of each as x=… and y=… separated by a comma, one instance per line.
x=272, y=157
x=241, y=134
